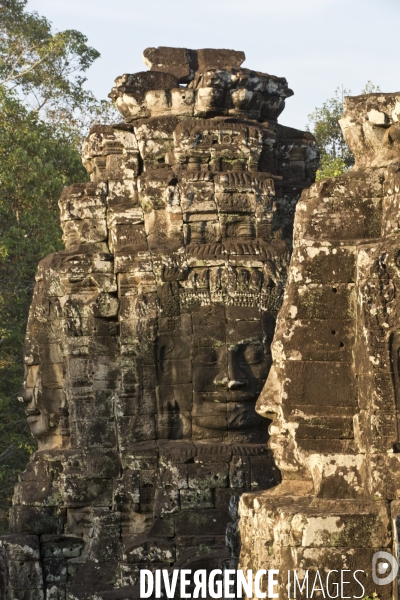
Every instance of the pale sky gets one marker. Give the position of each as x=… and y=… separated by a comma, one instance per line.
x=317, y=45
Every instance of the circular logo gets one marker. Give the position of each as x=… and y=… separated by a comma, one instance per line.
x=384, y=568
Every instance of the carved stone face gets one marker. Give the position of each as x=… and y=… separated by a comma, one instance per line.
x=371, y=128
x=43, y=395
x=210, y=370
x=31, y=395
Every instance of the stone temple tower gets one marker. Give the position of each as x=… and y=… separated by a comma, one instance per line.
x=149, y=336
x=333, y=389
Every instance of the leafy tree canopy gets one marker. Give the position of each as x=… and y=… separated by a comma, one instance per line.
x=44, y=113
x=336, y=157
x=47, y=69
x=45, y=66
x=35, y=164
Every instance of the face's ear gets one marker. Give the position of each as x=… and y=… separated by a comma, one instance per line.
x=32, y=375
x=165, y=346
x=268, y=325
x=395, y=352
x=31, y=351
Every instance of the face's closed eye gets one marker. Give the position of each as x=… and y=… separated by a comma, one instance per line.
x=165, y=349
x=253, y=354
x=208, y=356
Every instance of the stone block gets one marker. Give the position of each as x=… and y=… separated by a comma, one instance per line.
x=21, y=547
x=313, y=301
x=53, y=592
x=323, y=524
x=26, y=594
x=55, y=571
x=195, y=499
x=163, y=526
x=175, y=475
x=323, y=264
x=129, y=575
x=34, y=494
x=103, y=464
x=224, y=497
x=264, y=472
x=84, y=231
x=138, y=548
x=166, y=501
x=207, y=453
x=86, y=492
x=25, y=575
x=239, y=472
x=91, y=574
x=136, y=429
x=197, y=522
x=37, y=521
x=93, y=434
x=169, y=60
x=309, y=381
x=210, y=58
x=127, y=488
x=141, y=455
x=319, y=340
x=61, y=546
x=345, y=219
x=329, y=428
x=211, y=475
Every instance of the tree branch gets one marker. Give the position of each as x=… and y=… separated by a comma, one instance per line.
x=12, y=77
x=12, y=448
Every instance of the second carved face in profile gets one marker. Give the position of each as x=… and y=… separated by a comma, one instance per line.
x=43, y=393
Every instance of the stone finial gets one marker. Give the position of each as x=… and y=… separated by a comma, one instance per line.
x=216, y=86
x=371, y=128
x=183, y=63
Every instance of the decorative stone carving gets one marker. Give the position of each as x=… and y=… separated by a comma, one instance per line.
x=332, y=391
x=149, y=336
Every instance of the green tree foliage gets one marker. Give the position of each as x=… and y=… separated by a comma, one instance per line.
x=46, y=67
x=44, y=112
x=336, y=157
x=35, y=164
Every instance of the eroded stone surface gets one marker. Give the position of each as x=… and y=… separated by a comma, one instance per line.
x=332, y=391
x=149, y=336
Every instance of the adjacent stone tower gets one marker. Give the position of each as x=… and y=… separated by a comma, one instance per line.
x=149, y=336
x=333, y=389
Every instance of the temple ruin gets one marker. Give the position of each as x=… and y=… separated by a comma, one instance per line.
x=181, y=421
x=149, y=336
x=333, y=389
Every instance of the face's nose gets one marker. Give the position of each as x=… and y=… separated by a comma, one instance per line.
x=221, y=380
x=237, y=378
x=28, y=391
x=27, y=395
x=235, y=384
x=231, y=378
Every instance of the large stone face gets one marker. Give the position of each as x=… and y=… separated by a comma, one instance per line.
x=333, y=388
x=149, y=336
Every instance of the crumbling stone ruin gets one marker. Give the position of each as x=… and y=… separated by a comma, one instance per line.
x=149, y=336
x=333, y=389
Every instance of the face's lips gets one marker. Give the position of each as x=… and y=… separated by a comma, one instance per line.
x=32, y=412
x=233, y=396
x=241, y=396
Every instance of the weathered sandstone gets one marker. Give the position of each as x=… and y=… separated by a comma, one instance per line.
x=149, y=336
x=333, y=389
